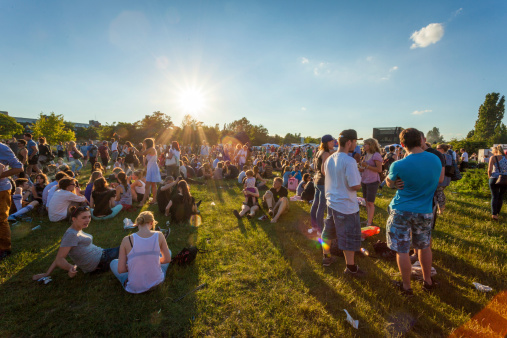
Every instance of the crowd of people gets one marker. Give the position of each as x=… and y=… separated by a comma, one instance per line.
x=38, y=178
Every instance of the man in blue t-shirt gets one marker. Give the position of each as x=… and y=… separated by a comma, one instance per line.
x=411, y=208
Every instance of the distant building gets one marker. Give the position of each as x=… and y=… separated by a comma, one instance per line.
x=387, y=136
x=25, y=121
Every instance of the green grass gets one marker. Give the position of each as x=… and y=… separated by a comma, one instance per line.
x=262, y=279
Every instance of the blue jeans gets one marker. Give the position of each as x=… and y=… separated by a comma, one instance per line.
x=497, y=192
x=122, y=277
x=318, y=208
x=77, y=163
x=116, y=210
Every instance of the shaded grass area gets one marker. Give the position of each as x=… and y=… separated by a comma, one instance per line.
x=262, y=279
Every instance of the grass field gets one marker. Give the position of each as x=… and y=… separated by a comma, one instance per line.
x=262, y=279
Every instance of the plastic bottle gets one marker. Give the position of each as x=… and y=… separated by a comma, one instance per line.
x=365, y=252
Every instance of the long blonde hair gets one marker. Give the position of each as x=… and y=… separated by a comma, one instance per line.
x=373, y=144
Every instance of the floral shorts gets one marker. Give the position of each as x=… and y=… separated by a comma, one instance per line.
x=404, y=228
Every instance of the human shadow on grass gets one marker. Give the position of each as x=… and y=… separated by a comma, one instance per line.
x=95, y=303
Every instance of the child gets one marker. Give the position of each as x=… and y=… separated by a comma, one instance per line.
x=286, y=175
x=19, y=196
x=249, y=186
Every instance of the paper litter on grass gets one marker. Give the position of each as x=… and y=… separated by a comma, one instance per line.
x=482, y=288
x=352, y=321
x=213, y=203
x=417, y=270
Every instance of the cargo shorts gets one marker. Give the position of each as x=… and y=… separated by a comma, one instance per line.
x=404, y=227
x=344, y=227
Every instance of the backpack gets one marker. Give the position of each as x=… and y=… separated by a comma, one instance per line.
x=386, y=163
x=383, y=250
x=93, y=150
x=293, y=184
x=187, y=256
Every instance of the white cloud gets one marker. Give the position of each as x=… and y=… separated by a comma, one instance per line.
x=321, y=68
x=304, y=60
x=369, y=58
x=456, y=13
x=427, y=35
x=420, y=112
x=393, y=68
x=303, y=108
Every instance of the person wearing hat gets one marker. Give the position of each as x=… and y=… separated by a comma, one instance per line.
x=326, y=148
x=341, y=185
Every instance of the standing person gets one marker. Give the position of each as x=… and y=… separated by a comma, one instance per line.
x=7, y=158
x=371, y=167
x=114, y=150
x=22, y=154
x=241, y=156
x=204, y=150
x=152, y=171
x=319, y=200
x=104, y=154
x=75, y=155
x=59, y=150
x=33, y=154
x=464, y=160
x=341, y=185
x=440, y=195
x=79, y=246
x=14, y=145
x=131, y=159
x=410, y=216
x=92, y=153
x=143, y=257
x=497, y=166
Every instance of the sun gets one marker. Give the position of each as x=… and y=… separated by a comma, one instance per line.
x=192, y=100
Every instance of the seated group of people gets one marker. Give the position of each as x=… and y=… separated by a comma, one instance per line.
x=140, y=262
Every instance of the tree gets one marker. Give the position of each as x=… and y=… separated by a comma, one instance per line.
x=85, y=134
x=53, y=128
x=490, y=117
x=292, y=138
x=433, y=136
x=9, y=126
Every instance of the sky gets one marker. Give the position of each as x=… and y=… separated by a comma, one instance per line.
x=309, y=67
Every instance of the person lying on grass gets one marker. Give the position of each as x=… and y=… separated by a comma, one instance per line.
x=79, y=246
x=276, y=200
x=143, y=258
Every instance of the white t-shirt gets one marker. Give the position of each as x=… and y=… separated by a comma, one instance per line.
x=204, y=150
x=241, y=176
x=60, y=202
x=464, y=157
x=51, y=192
x=183, y=171
x=114, y=146
x=341, y=173
x=242, y=156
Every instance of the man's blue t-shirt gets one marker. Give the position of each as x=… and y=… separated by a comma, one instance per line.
x=29, y=146
x=420, y=173
x=286, y=178
x=297, y=175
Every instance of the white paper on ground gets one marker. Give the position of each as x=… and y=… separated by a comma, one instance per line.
x=483, y=288
x=352, y=321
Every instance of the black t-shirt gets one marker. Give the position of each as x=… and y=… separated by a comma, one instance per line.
x=181, y=211
x=283, y=192
x=233, y=171
x=101, y=202
x=437, y=153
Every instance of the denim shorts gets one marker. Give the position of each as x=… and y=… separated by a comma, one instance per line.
x=401, y=225
x=369, y=191
x=347, y=228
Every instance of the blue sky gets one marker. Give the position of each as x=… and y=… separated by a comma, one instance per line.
x=314, y=67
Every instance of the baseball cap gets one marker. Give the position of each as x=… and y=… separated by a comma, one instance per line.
x=349, y=134
x=327, y=138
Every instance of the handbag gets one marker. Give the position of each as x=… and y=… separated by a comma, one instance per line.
x=502, y=178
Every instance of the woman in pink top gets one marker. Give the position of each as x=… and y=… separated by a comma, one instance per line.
x=144, y=257
x=370, y=167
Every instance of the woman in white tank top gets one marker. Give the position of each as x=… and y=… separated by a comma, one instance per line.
x=144, y=257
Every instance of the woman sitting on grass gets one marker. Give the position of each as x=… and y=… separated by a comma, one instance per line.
x=123, y=192
x=79, y=247
x=143, y=258
x=41, y=181
x=138, y=187
x=89, y=187
x=102, y=201
x=251, y=203
x=182, y=205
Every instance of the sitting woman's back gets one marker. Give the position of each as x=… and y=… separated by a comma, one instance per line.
x=183, y=204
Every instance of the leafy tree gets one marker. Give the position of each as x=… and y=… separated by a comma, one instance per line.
x=310, y=139
x=53, y=128
x=106, y=131
x=9, y=127
x=85, y=134
x=434, y=136
x=69, y=126
x=292, y=138
x=490, y=117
